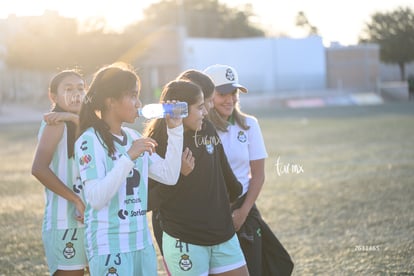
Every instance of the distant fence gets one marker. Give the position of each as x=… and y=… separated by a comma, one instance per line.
x=394, y=90
x=29, y=86
x=23, y=86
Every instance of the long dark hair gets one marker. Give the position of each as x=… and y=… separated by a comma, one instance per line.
x=53, y=89
x=111, y=81
x=179, y=90
x=199, y=78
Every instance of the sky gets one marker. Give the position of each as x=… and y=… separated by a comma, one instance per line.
x=337, y=21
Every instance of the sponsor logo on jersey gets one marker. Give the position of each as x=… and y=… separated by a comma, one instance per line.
x=77, y=186
x=185, y=262
x=123, y=214
x=84, y=160
x=139, y=212
x=132, y=200
x=84, y=145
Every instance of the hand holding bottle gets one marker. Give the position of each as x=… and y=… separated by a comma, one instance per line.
x=175, y=112
x=173, y=122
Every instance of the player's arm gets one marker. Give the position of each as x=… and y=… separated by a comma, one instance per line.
x=101, y=184
x=53, y=118
x=167, y=171
x=99, y=192
x=43, y=157
x=256, y=183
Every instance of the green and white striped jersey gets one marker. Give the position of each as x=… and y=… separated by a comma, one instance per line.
x=121, y=225
x=60, y=213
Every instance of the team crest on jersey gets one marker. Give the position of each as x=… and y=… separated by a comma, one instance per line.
x=69, y=252
x=241, y=136
x=210, y=148
x=185, y=262
x=112, y=272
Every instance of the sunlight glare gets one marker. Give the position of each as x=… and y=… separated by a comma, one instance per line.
x=340, y=21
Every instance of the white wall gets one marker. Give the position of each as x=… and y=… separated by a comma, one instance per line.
x=264, y=65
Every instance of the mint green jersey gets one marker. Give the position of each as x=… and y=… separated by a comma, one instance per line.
x=59, y=213
x=120, y=226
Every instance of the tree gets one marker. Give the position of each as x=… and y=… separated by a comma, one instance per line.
x=394, y=33
x=50, y=41
x=202, y=18
x=303, y=22
x=39, y=44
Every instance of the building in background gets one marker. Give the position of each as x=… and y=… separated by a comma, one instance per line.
x=265, y=65
x=268, y=66
x=353, y=68
x=282, y=67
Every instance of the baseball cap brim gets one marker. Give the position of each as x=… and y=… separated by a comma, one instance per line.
x=230, y=87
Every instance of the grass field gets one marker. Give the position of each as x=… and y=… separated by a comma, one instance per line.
x=339, y=191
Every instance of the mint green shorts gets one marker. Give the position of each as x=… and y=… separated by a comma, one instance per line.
x=64, y=249
x=138, y=263
x=189, y=259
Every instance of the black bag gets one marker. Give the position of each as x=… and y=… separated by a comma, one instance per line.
x=264, y=253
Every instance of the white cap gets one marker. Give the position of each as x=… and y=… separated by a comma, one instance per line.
x=225, y=78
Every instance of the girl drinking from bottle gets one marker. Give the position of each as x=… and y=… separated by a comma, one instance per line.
x=115, y=163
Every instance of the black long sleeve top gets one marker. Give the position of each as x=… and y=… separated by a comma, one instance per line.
x=197, y=209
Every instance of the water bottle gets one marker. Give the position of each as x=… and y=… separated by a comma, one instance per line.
x=160, y=110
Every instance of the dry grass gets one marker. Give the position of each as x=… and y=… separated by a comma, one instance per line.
x=21, y=204
x=349, y=212
x=356, y=189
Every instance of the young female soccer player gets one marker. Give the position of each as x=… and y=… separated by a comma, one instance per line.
x=188, y=161
x=198, y=234
x=115, y=163
x=53, y=166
